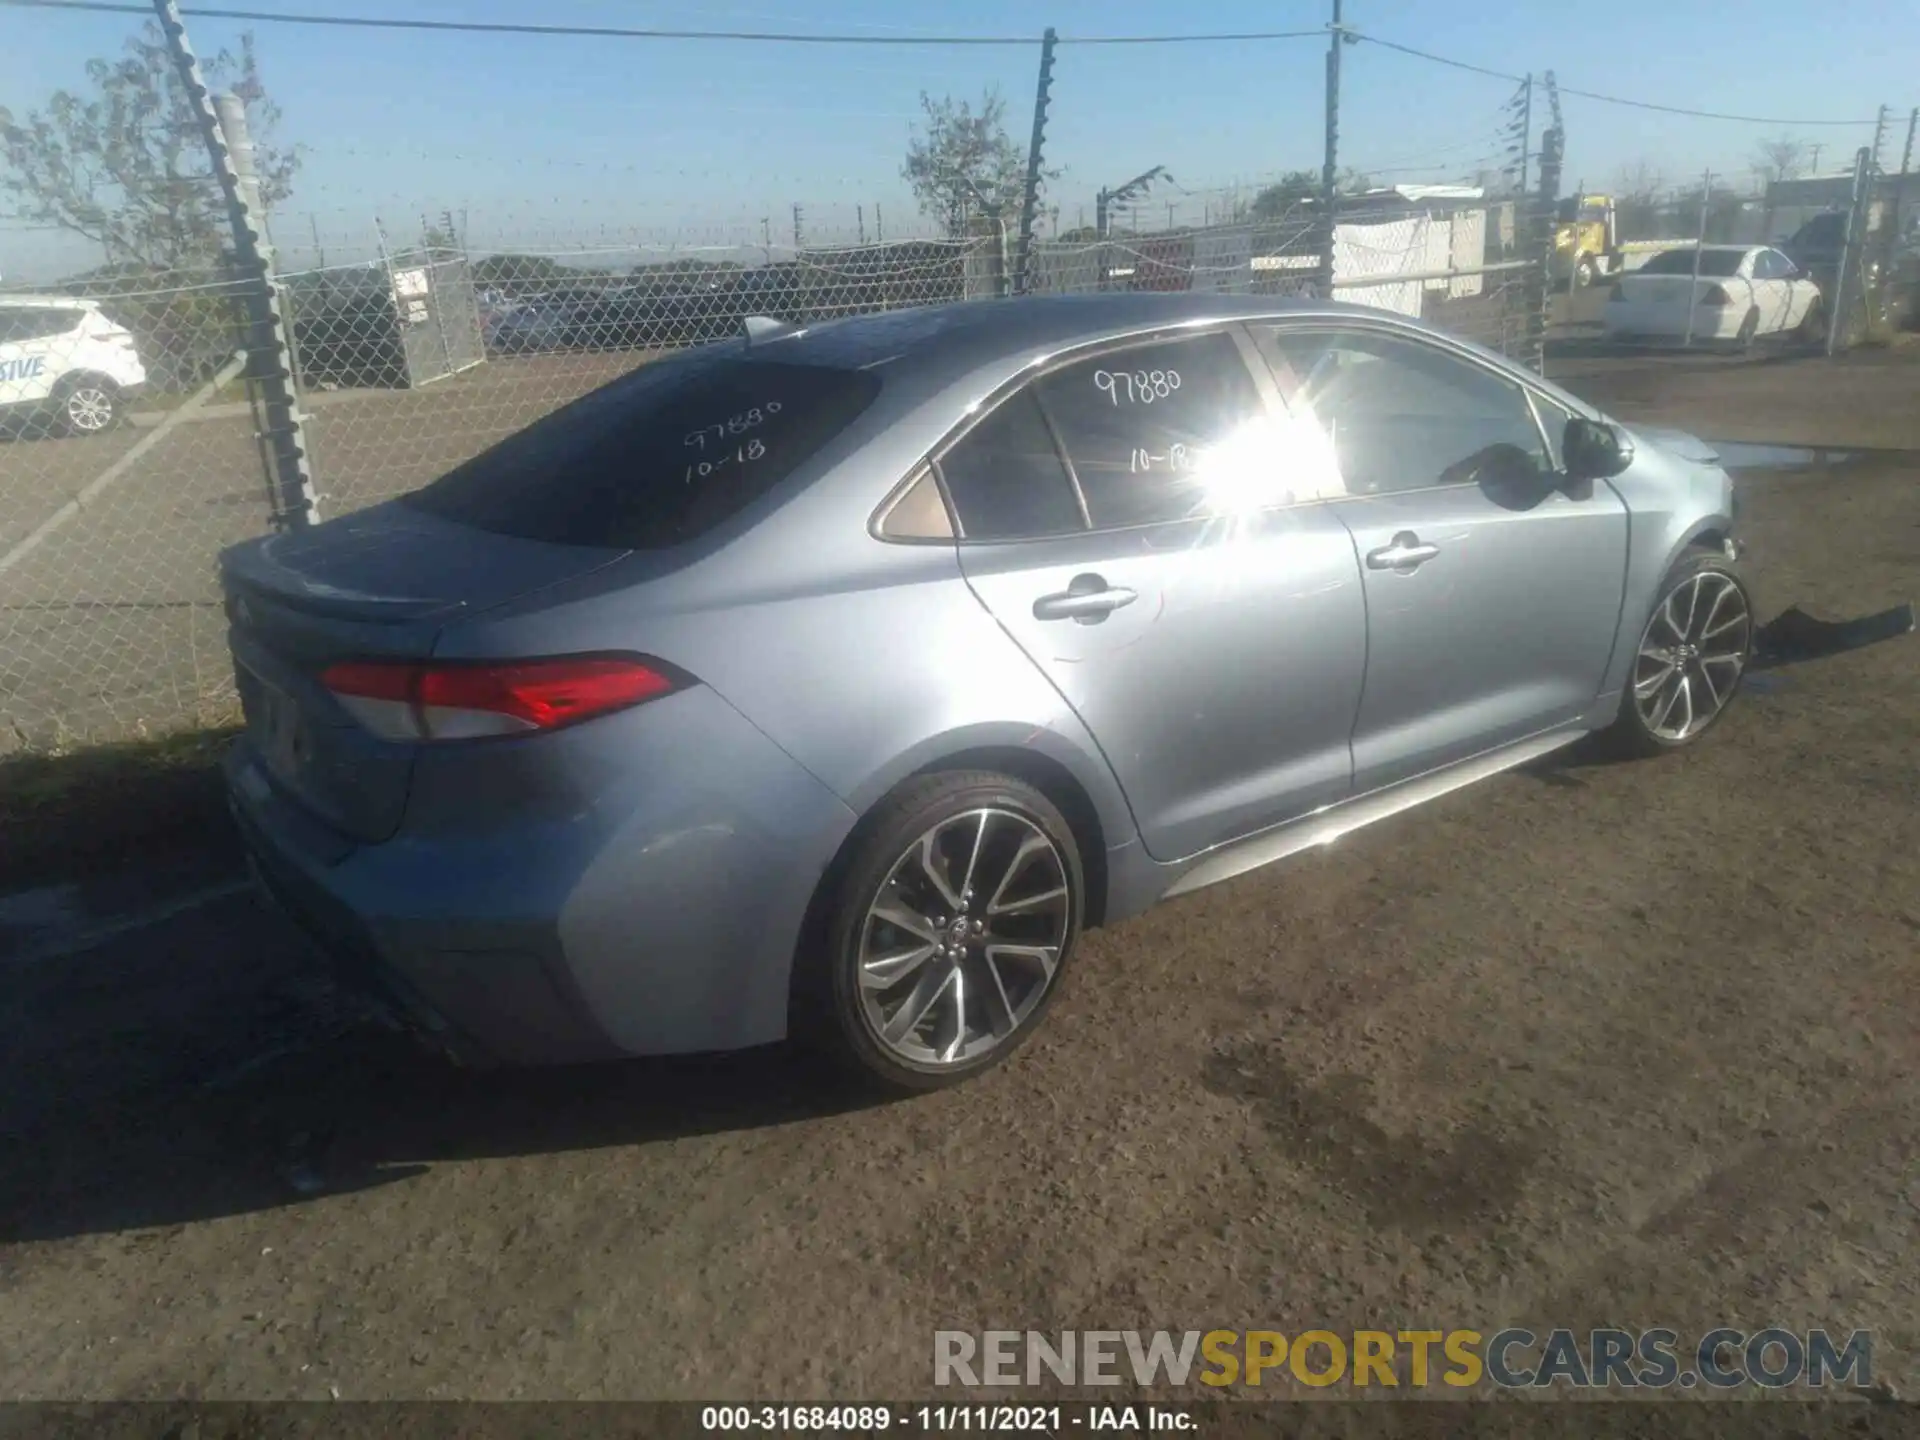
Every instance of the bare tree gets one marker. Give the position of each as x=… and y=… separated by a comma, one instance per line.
x=1780, y=159
x=1640, y=181
x=126, y=167
x=961, y=161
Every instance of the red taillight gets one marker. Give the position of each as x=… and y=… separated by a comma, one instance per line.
x=1716, y=296
x=468, y=701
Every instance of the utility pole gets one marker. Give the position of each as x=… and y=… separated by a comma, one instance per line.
x=1329, y=170
x=1526, y=131
x=1814, y=169
x=1879, y=136
x=796, y=227
x=879, y=230
x=860, y=218
x=766, y=232
x=1030, y=196
x=269, y=345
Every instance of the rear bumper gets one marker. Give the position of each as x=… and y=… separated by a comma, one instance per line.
x=656, y=912
x=1717, y=322
x=505, y=1010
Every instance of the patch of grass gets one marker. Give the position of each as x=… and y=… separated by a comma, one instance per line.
x=70, y=809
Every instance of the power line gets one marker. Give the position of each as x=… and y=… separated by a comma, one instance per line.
x=783, y=37
x=1592, y=94
x=370, y=22
x=1705, y=114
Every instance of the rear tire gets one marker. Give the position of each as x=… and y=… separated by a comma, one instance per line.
x=1692, y=652
x=945, y=935
x=86, y=405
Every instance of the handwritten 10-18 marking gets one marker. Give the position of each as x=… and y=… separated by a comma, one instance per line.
x=1138, y=386
x=752, y=450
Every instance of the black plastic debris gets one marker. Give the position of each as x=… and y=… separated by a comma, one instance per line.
x=1795, y=636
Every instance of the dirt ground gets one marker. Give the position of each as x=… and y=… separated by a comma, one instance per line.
x=1589, y=1045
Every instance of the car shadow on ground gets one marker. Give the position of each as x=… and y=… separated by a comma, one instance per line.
x=249, y=1096
x=1791, y=638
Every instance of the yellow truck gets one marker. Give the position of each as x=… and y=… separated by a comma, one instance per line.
x=1586, y=240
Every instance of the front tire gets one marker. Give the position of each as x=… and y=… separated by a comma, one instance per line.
x=87, y=405
x=1692, y=656
x=946, y=935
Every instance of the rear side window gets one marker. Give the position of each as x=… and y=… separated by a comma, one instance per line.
x=1136, y=424
x=1006, y=479
x=656, y=458
x=1714, y=264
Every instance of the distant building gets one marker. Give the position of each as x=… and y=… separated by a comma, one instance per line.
x=1791, y=203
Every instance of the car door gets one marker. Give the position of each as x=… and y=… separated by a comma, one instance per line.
x=1772, y=292
x=1797, y=290
x=1493, y=594
x=1125, y=517
x=29, y=362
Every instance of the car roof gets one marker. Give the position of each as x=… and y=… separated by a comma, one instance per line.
x=954, y=339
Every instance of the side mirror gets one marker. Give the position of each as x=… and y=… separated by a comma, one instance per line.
x=1593, y=451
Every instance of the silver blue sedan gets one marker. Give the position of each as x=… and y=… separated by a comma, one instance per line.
x=831, y=682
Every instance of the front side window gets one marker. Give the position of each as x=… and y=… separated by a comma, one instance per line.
x=1404, y=415
x=19, y=326
x=1157, y=432
x=1553, y=420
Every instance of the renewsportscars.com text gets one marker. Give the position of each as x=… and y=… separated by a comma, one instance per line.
x=1720, y=1359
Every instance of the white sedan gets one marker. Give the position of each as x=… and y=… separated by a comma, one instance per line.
x=1742, y=292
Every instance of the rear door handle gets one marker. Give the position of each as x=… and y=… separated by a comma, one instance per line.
x=1088, y=599
x=1406, y=554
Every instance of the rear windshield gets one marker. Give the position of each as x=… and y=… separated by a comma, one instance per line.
x=656, y=458
x=1717, y=263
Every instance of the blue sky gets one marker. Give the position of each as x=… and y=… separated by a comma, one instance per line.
x=576, y=142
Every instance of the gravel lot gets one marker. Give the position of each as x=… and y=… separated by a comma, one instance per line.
x=1591, y=1044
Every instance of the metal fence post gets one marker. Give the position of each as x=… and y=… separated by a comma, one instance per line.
x=1699, y=252
x=1329, y=170
x=269, y=354
x=1847, y=282
x=1895, y=221
x=1030, y=198
x=1539, y=289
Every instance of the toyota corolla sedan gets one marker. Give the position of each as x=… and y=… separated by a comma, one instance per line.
x=830, y=683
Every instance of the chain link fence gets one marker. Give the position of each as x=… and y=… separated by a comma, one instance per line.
x=132, y=456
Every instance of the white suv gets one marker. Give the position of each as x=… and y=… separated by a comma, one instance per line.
x=61, y=358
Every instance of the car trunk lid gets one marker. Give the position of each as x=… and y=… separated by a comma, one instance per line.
x=380, y=584
x=1663, y=289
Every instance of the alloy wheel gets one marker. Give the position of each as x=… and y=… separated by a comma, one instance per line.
x=89, y=408
x=1692, y=656
x=964, y=938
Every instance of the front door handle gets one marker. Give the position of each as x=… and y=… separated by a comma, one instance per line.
x=1405, y=554
x=1088, y=599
